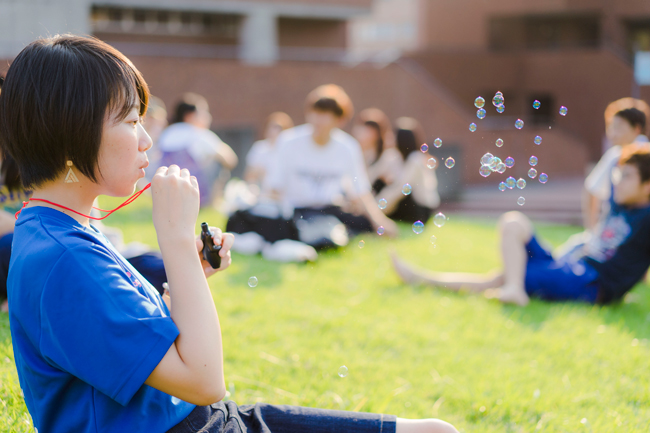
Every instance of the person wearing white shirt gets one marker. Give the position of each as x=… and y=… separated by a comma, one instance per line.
x=189, y=143
x=261, y=154
x=383, y=161
x=419, y=204
x=318, y=167
x=627, y=125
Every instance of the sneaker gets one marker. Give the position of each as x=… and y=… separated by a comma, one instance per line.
x=288, y=250
x=248, y=243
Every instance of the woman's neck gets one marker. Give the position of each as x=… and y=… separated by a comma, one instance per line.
x=76, y=196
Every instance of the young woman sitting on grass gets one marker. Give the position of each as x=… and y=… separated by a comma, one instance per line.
x=601, y=271
x=96, y=347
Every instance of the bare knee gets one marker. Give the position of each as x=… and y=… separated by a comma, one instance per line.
x=423, y=426
x=515, y=223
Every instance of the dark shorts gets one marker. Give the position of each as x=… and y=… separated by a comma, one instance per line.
x=564, y=279
x=227, y=417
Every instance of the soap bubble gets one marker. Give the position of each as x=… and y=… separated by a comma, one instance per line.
x=380, y=230
x=480, y=113
x=502, y=186
x=494, y=161
x=499, y=142
x=432, y=163
x=538, y=140
x=536, y=104
x=510, y=162
x=519, y=124
x=563, y=110
x=498, y=99
x=406, y=189
x=343, y=371
x=486, y=159
x=437, y=142
x=450, y=162
x=485, y=171
x=532, y=173
x=500, y=168
x=424, y=148
x=521, y=183
x=440, y=219
x=362, y=244
x=382, y=203
x=433, y=239
x=521, y=201
x=418, y=227
x=479, y=102
x=472, y=127
x=543, y=178
x=501, y=108
x=252, y=282
x=510, y=182
x=532, y=161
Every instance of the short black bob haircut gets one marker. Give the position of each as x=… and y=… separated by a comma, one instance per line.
x=188, y=104
x=57, y=94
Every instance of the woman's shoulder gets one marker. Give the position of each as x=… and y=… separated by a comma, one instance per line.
x=40, y=229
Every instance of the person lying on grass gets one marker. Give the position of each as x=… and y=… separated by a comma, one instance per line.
x=601, y=271
x=96, y=347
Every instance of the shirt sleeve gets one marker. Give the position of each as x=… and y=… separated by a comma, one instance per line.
x=599, y=181
x=359, y=173
x=97, y=326
x=277, y=173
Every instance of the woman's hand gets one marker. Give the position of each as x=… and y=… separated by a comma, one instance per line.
x=175, y=205
x=226, y=241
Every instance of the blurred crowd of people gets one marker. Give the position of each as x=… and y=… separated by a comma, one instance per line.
x=312, y=186
x=305, y=187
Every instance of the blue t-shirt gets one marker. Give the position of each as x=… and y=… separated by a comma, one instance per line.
x=620, y=250
x=87, y=331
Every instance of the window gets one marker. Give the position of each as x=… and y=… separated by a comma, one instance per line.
x=545, y=32
x=161, y=22
x=544, y=114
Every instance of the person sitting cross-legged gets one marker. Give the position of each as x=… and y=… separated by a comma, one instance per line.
x=600, y=271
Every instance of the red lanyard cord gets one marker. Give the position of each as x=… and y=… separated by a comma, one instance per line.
x=128, y=201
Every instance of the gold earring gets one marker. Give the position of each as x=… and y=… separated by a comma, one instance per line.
x=70, y=177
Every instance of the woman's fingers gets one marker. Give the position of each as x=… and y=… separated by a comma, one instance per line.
x=228, y=239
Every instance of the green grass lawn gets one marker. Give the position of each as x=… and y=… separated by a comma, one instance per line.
x=413, y=351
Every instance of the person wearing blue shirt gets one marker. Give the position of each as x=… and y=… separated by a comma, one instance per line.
x=97, y=348
x=602, y=270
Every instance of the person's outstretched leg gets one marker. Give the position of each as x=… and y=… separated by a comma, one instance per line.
x=516, y=231
x=423, y=426
x=453, y=281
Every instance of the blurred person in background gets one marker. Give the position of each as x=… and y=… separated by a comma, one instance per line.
x=189, y=143
x=374, y=133
x=320, y=168
x=601, y=271
x=625, y=122
x=155, y=122
x=260, y=156
x=319, y=179
x=423, y=198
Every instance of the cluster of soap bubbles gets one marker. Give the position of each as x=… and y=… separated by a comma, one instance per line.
x=491, y=163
